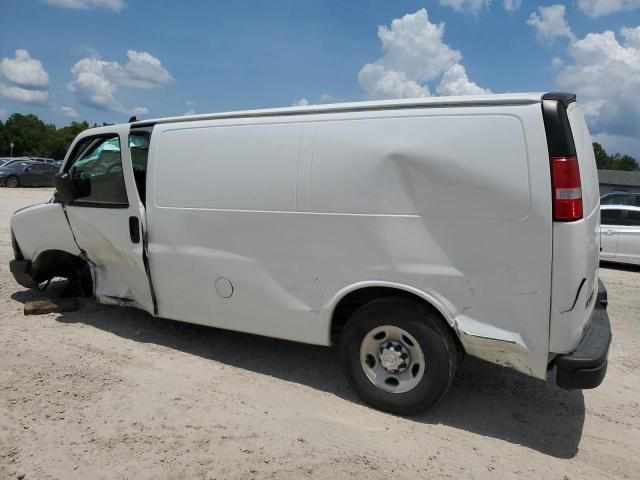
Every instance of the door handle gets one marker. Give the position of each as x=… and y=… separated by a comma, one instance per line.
x=134, y=229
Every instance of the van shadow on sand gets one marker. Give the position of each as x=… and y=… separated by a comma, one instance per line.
x=484, y=399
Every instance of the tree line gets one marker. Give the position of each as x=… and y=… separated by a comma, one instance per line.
x=617, y=161
x=34, y=138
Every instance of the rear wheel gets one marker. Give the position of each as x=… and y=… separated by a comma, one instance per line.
x=12, y=181
x=398, y=355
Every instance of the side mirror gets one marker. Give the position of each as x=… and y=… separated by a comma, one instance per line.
x=28, y=169
x=65, y=188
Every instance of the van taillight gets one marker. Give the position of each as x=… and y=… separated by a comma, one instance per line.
x=567, y=189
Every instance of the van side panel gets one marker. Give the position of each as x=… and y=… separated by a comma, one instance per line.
x=222, y=208
x=576, y=250
x=454, y=203
x=229, y=167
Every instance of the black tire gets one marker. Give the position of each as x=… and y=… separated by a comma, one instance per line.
x=12, y=181
x=435, y=339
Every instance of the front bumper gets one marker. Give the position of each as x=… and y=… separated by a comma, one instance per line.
x=21, y=270
x=587, y=365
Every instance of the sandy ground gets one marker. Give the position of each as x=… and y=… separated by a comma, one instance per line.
x=108, y=392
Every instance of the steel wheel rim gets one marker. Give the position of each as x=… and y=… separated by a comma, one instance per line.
x=382, y=358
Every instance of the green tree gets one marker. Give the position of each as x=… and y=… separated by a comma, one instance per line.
x=59, y=143
x=623, y=162
x=613, y=162
x=602, y=159
x=29, y=135
x=32, y=137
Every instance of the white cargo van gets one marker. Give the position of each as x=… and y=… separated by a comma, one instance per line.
x=408, y=232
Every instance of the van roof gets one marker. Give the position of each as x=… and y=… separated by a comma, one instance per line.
x=429, y=102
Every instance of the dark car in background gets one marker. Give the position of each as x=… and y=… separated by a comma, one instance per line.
x=21, y=173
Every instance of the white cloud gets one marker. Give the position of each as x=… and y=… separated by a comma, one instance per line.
x=115, y=5
x=69, y=112
x=24, y=94
x=557, y=62
x=456, y=82
x=414, y=54
x=190, y=108
x=24, y=71
x=322, y=99
x=328, y=98
x=599, y=8
x=512, y=5
x=550, y=23
x=28, y=81
x=96, y=81
x=631, y=37
x=143, y=70
x=379, y=83
x=469, y=6
x=606, y=76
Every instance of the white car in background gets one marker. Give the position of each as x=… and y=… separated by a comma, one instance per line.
x=620, y=233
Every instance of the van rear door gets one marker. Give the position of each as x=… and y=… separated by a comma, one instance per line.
x=576, y=236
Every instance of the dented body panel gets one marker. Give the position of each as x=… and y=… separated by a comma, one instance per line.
x=43, y=227
x=297, y=212
x=104, y=235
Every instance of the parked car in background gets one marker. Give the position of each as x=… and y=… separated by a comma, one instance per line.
x=42, y=159
x=621, y=198
x=20, y=173
x=620, y=233
x=15, y=161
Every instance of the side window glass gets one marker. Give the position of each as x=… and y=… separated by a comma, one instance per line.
x=97, y=173
x=139, y=147
x=633, y=219
x=610, y=217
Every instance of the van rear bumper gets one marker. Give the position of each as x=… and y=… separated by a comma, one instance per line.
x=587, y=365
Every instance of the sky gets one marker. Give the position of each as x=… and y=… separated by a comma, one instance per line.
x=105, y=60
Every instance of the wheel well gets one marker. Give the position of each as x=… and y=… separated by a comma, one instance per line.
x=58, y=263
x=354, y=300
